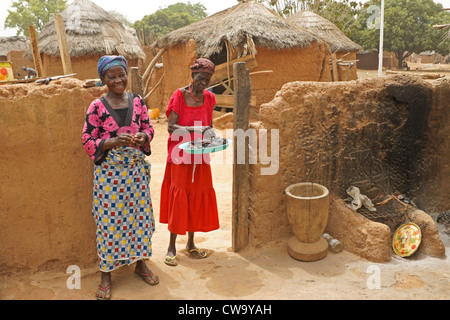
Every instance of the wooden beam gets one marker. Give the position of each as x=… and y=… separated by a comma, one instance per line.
x=221, y=71
x=241, y=174
x=35, y=50
x=63, y=45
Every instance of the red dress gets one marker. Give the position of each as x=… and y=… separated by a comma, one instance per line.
x=188, y=200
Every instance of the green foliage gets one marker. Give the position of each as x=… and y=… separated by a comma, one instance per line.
x=34, y=12
x=169, y=19
x=407, y=28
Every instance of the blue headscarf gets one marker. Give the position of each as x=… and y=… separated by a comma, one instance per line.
x=107, y=62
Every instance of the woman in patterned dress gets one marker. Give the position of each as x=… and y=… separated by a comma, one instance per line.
x=116, y=136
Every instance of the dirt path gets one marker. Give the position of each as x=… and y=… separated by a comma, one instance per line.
x=263, y=273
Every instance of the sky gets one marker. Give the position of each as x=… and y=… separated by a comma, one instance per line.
x=137, y=9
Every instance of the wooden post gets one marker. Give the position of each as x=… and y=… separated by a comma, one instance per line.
x=334, y=65
x=241, y=175
x=63, y=46
x=35, y=50
x=136, y=81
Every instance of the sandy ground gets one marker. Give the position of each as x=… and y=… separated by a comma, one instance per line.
x=253, y=274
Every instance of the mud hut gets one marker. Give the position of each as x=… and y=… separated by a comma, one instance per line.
x=91, y=32
x=8, y=44
x=344, y=48
x=12, y=49
x=247, y=32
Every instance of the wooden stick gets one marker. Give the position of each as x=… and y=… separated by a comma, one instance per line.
x=157, y=85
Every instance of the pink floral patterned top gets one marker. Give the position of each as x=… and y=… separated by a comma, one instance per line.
x=103, y=122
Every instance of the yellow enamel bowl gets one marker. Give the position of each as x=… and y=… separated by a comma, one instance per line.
x=153, y=113
x=407, y=239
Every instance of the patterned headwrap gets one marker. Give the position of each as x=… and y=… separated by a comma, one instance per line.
x=203, y=65
x=107, y=62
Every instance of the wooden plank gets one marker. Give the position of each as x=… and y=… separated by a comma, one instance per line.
x=35, y=50
x=63, y=45
x=221, y=71
x=241, y=174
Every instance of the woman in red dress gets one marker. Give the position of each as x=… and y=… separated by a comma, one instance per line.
x=188, y=199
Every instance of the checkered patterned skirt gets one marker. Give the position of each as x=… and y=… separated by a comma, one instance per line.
x=122, y=208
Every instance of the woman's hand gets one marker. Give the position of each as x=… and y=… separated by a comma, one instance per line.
x=208, y=133
x=123, y=140
x=139, y=139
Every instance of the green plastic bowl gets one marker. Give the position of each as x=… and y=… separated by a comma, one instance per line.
x=185, y=147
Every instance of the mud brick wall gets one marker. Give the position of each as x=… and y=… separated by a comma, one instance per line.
x=382, y=135
x=46, y=177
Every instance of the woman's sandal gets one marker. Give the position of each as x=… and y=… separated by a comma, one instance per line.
x=171, y=261
x=151, y=276
x=197, y=253
x=106, y=290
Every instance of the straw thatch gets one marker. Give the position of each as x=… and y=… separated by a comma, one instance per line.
x=244, y=26
x=8, y=44
x=91, y=30
x=325, y=30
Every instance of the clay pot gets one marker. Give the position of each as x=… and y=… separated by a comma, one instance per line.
x=308, y=206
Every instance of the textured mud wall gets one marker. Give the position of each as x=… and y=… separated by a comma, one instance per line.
x=382, y=135
x=46, y=177
x=308, y=64
x=84, y=67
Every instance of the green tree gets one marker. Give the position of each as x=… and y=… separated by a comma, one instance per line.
x=35, y=12
x=407, y=27
x=169, y=19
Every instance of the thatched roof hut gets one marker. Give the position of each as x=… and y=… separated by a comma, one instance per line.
x=14, y=43
x=91, y=32
x=344, y=48
x=249, y=30
x=244, y=26
x=325, y=30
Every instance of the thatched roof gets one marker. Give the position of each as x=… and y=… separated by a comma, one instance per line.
x=325, y=30
x=91, y=30
x=245, y=26
x=8, y=44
